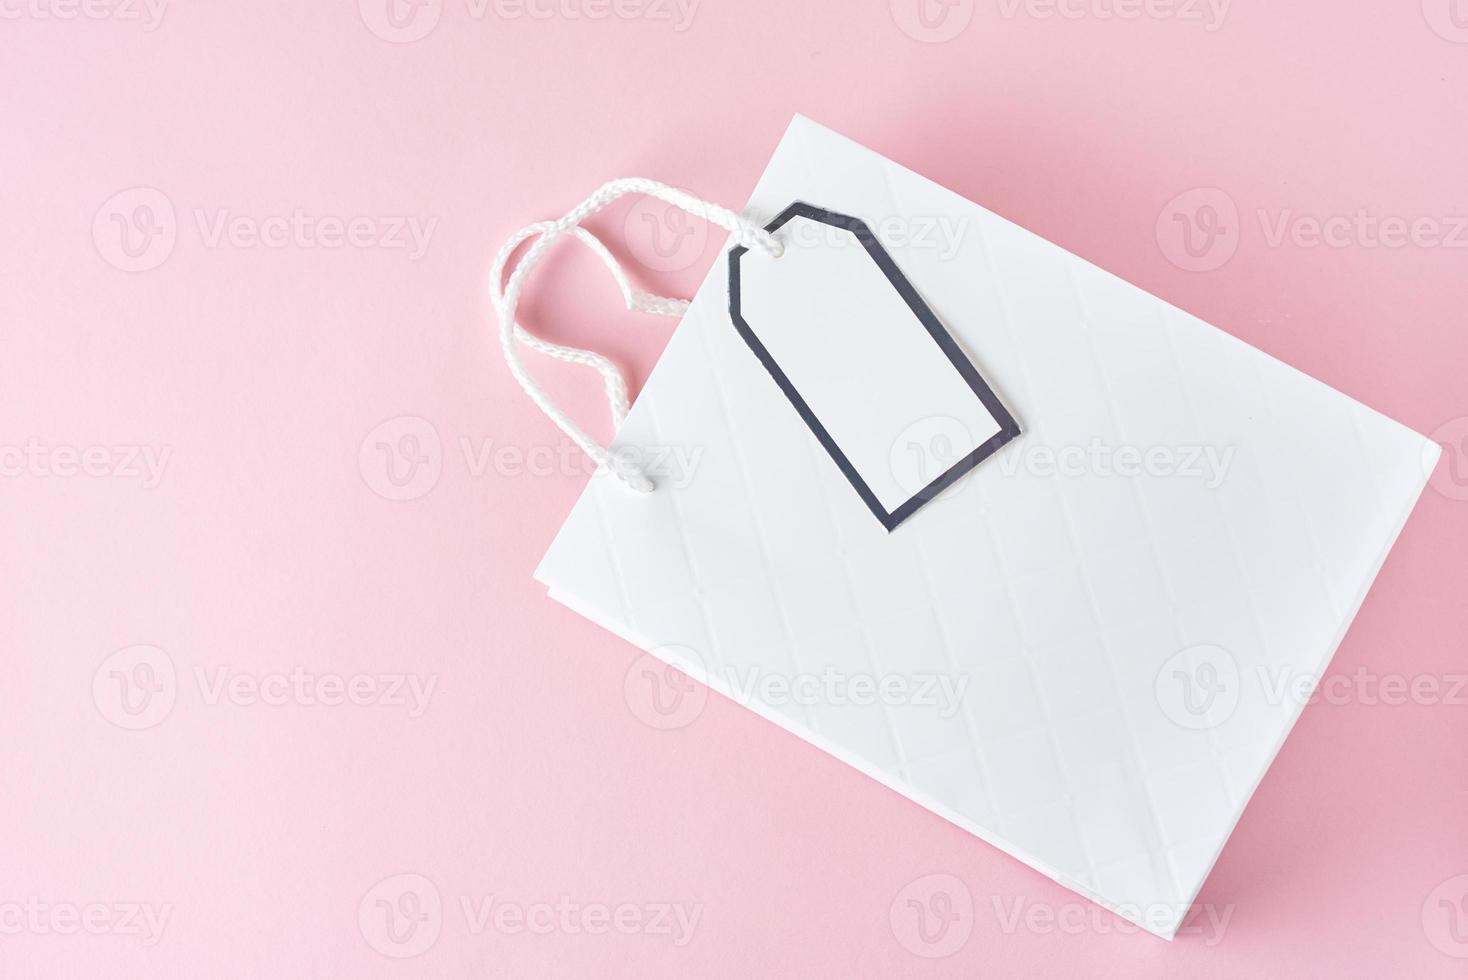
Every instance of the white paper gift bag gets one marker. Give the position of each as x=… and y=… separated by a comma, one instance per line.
x=996, y=528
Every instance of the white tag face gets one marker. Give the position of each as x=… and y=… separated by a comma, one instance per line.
x=1080, y=651
x=861, y=357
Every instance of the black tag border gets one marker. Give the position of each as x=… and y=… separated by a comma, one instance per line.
x=1008, y=427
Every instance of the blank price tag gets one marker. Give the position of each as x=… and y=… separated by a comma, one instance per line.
x=859, y=355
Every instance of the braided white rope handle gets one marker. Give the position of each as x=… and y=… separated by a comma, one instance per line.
x=547, y=234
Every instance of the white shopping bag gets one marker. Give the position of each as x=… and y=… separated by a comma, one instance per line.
x=1110, y=546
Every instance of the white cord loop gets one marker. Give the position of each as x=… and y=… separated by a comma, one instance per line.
x=547, y=234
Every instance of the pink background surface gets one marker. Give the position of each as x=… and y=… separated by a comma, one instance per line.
x=267, y=833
